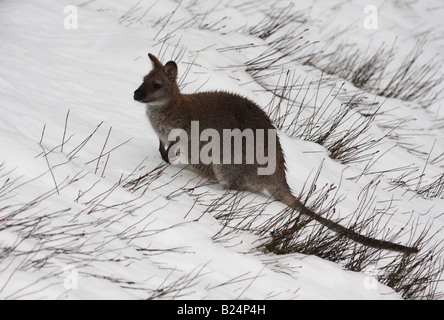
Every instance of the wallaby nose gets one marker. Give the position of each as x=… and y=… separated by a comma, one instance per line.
x=138, y=95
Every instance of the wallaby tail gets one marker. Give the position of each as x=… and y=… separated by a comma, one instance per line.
x=294, y=203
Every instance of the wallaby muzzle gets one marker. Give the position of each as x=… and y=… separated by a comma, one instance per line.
x=139, y=95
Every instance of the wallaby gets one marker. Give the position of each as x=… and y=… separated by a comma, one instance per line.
x=168, y=109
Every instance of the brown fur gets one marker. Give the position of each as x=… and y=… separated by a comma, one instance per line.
x=168, y=109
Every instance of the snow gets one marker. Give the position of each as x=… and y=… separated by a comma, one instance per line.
x=89, y=236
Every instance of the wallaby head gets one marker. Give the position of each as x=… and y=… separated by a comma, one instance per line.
x=158, y=86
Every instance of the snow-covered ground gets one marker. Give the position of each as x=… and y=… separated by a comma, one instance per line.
x=73, y=226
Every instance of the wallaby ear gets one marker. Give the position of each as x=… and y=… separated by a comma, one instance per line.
x=155, y=62
x=170, y=70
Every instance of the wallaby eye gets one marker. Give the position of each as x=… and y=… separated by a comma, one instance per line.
x=156, y=86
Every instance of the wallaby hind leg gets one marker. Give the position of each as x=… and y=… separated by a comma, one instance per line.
x=204, y=170
x=237, y=177
x=281, y=191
